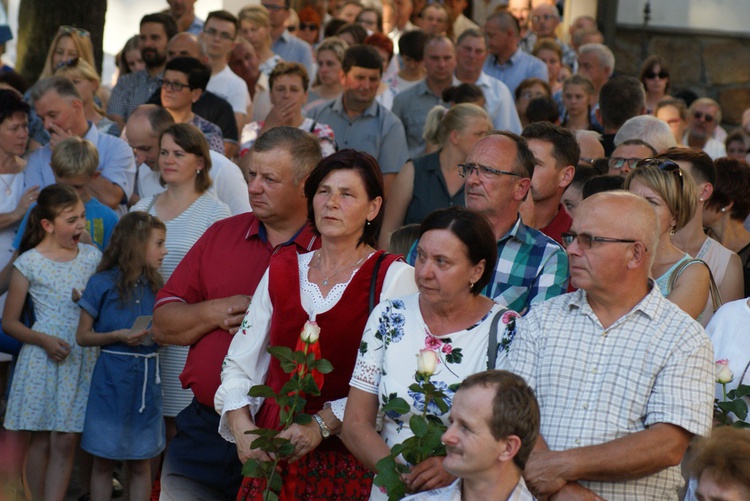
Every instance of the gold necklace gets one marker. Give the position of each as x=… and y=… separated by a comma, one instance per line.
x=8, y=189
x=325, y=278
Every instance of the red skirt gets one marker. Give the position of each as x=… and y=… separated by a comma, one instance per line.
x=320, y=475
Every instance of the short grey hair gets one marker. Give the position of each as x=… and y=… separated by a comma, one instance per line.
x=706, y=101
x=649, y=129
x=602, y=52
x=62, y=85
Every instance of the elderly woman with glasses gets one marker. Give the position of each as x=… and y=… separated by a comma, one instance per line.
x=655, y=79
x=674, y=198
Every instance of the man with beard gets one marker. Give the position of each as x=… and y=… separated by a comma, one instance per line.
x=135, y=89
x=703, y=117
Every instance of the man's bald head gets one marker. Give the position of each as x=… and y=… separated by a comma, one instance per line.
x=185, y=45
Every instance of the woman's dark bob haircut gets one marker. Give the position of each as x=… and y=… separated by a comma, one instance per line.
x=474, y=231
x=369, y=171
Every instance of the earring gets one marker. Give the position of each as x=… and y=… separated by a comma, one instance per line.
x=671, y=232
x=471, y=286
x=700, y=199
x=723, y=209
x=199, y=171
x=368, y=222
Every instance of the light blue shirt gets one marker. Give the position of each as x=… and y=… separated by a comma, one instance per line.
x=196, y=27
x=518, y=68
x=116, y=162
x=499, y=103
x=292, y=49
x=376, y=131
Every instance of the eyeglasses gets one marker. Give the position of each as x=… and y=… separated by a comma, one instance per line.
x=586, y=240
x=212, y=32
x=698, y=115
x=482, y=171
x=70, y=63
x=663, y=165
x=618, y=163
x=652, y=74
x=291, y=28
x=308, y=26
x=545, y=17
x=173, y=86
x=586, y=161
x=273, y=8
x=69, y=30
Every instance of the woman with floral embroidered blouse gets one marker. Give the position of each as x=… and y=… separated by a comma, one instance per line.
x=456, y=255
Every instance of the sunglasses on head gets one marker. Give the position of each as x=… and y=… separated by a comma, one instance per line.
x=68, y=30
x=663, y=165
x=698, y=115
x=652, y=74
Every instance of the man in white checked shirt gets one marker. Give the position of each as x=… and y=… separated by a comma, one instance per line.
x=623, y=377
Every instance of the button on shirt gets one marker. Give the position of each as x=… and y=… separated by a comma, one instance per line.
x=131, y=91
x=594, y=385
x=518, y=68
x=376, y=131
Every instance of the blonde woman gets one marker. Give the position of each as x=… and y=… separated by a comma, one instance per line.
x=87, y=81
x=255, y=27
x=330, y=57
x=432, y=181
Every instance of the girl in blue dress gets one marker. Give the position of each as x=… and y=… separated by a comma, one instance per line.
x=124, y=414
x=51, y=384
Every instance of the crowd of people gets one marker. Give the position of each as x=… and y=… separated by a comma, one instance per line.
x=565, y=249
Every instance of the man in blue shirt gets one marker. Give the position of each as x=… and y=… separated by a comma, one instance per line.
x=507, y=62
x=358, y=120
x=286, y=45
x=59, y=105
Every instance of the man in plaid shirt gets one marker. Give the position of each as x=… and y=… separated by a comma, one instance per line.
x=624, y=378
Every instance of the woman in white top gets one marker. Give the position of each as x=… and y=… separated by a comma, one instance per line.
x=255, y=27
x=188, y=210
x=331, y=286
x=449, y=317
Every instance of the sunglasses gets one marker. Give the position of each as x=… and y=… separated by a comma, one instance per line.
x=664, y=166
x=70, y=63
x=699, y=115
x=651, y=74
x=308, y=27
x=69, y=30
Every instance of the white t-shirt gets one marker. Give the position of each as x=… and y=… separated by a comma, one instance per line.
x=232, y=88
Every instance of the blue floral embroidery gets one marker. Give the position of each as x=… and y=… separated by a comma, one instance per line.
x=391, y=324
x=433, y=409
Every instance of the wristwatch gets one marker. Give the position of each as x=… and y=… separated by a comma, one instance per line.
x=325, y=432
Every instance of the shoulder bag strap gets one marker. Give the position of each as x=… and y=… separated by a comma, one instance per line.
x=492, y=344
x=374, y=282
x=716, y=301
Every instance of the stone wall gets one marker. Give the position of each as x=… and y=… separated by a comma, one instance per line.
x=711, y=65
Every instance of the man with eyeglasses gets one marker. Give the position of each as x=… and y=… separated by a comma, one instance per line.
x=135, y=89
x=624, y=377
x=218, y=36
x=626, y=155
x=286, y=45
x=531, y=267
x=704, y=116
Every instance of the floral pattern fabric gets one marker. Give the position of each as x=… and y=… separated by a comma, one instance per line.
x=48, y=395
x=386, y=363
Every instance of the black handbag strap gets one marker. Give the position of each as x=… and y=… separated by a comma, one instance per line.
x=492, y=344
x=374, y=281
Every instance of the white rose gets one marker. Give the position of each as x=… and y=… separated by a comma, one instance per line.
x=723, y=372
x=427, y=361
x=310, y=332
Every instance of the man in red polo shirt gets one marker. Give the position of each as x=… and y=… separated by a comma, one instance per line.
x=205, y=300
x=556, y=152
